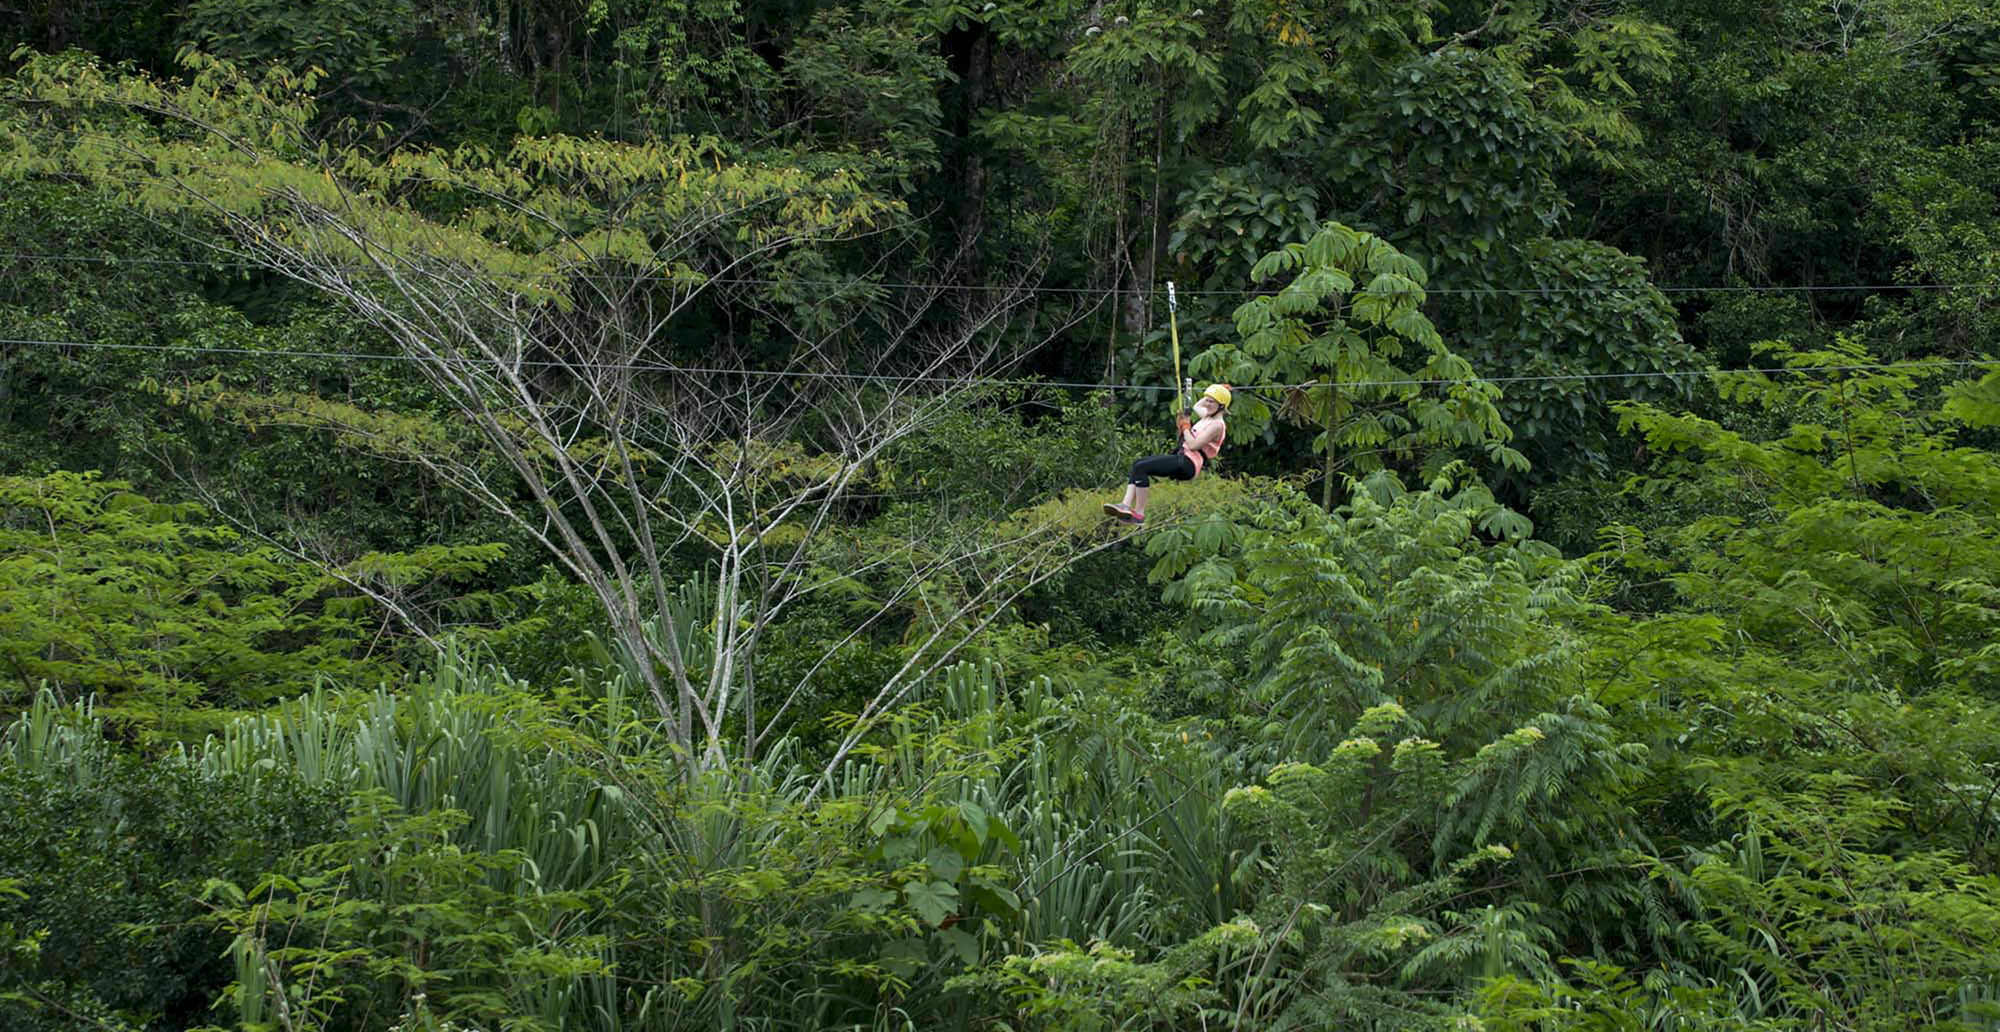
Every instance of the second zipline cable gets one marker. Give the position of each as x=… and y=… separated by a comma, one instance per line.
x=807, y=374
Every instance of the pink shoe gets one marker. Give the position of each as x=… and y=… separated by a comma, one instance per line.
x=1118, y=511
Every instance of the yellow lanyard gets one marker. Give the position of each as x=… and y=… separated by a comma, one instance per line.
x=1174, y=329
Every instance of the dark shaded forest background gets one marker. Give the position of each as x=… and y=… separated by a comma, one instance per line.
x=545, y=514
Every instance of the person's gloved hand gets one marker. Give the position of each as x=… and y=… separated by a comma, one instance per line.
x=1182, y=422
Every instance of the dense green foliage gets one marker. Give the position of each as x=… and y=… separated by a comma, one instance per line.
x=555, y=515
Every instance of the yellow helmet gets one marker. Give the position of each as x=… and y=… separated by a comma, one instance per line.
x=1218, y=391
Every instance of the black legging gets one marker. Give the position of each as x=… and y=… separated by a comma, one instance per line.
x=1176, y=466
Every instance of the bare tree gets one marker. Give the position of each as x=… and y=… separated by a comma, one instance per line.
x=548, y=294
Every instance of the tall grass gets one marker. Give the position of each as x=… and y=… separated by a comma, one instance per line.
x=1119, y=829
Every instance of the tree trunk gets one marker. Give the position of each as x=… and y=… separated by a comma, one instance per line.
x=1326, y=470
x=968, y=53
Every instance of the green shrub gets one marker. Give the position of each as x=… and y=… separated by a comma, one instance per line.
x=109, y=851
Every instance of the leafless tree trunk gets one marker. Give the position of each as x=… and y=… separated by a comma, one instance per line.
x=633, y=459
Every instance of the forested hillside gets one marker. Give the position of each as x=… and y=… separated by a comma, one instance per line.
x=561, y=515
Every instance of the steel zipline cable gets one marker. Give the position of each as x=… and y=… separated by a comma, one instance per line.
x=696, y=280
x=807, y=374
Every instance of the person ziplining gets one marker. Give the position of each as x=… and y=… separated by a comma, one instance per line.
x=1197, y=445
x=1200, y=441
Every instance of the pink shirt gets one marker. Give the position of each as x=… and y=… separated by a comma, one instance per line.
x=1203, y=440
